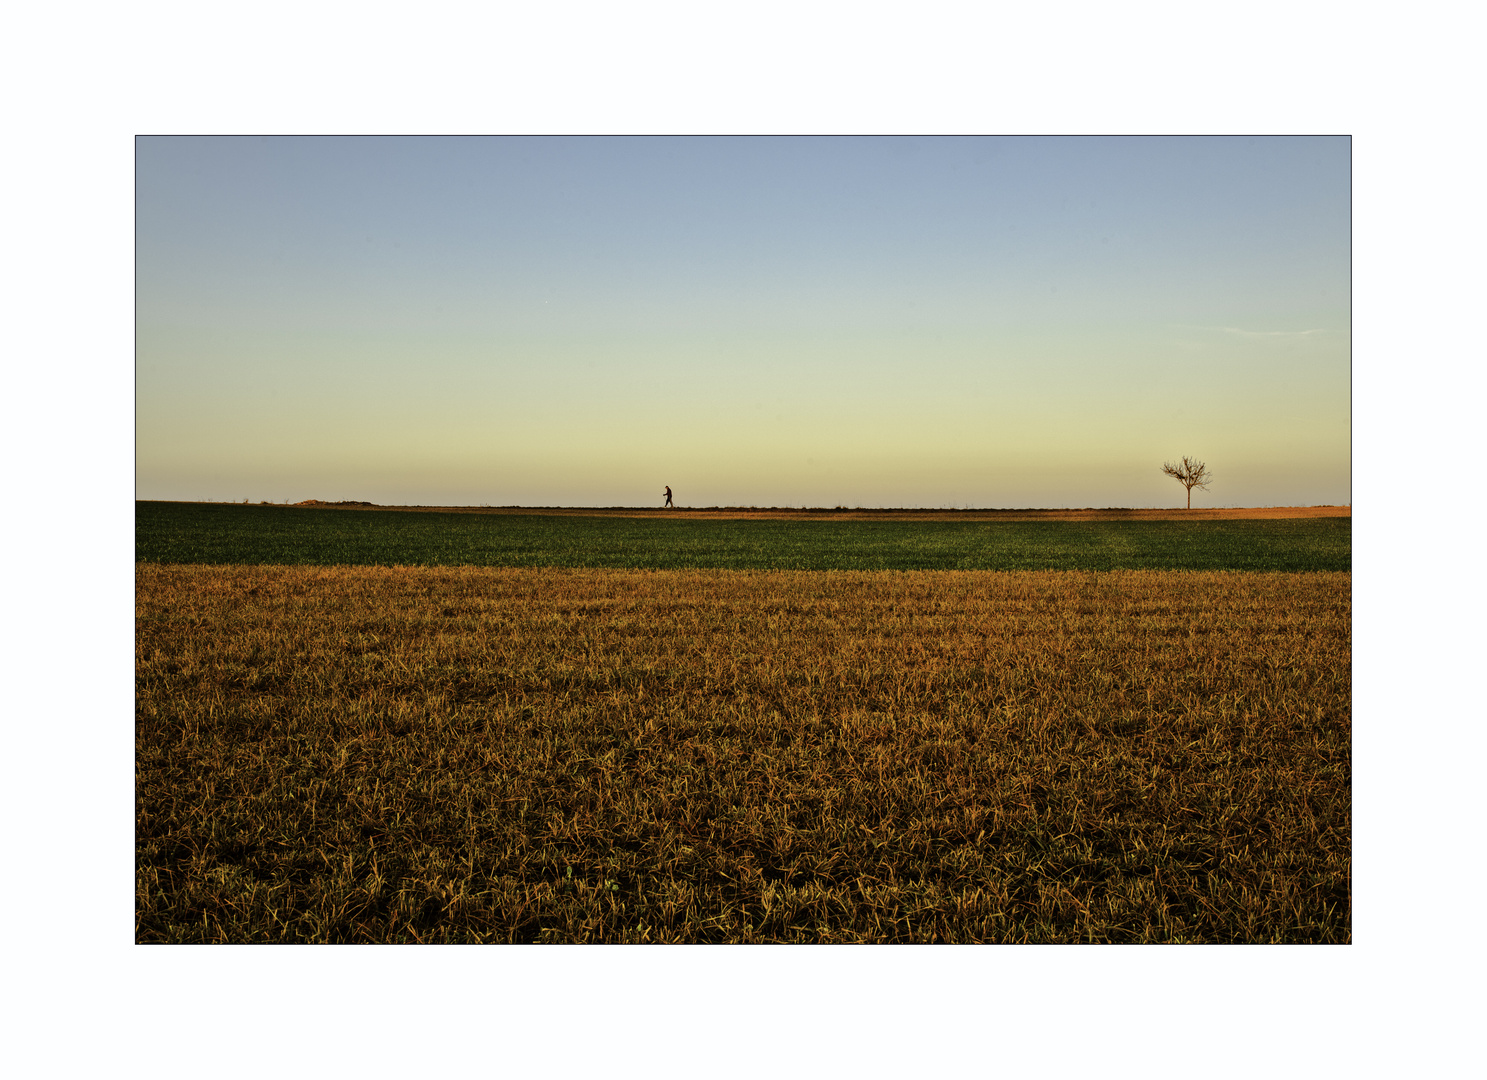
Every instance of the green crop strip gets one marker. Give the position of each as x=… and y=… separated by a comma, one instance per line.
x=269, y=535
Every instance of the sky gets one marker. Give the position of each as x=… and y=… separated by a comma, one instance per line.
x=917, y=322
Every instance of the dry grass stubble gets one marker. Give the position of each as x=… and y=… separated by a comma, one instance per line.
x=441, y=754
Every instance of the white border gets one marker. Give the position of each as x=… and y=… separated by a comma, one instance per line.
x=83, y=79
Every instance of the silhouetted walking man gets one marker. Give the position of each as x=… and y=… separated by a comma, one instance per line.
x=668, y=496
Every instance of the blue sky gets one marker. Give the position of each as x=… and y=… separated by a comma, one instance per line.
x=794, y=321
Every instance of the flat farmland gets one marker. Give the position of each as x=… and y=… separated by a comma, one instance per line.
x=1089, y=751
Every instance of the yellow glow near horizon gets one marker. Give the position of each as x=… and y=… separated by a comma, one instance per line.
x=749, y=360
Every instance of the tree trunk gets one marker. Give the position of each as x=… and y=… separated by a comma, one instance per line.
x=1190, y=498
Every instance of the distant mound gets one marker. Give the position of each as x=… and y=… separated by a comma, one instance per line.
x=343, y=502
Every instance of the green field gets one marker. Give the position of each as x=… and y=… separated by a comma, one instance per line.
x=225, y=534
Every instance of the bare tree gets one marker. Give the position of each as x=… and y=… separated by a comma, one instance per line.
x=1190, y=473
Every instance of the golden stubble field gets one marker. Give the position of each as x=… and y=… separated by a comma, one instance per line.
x=514, y=755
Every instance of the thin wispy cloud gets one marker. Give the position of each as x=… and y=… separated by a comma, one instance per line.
x=1268, y=333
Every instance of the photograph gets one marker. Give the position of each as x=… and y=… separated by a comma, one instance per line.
x=743, y=539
